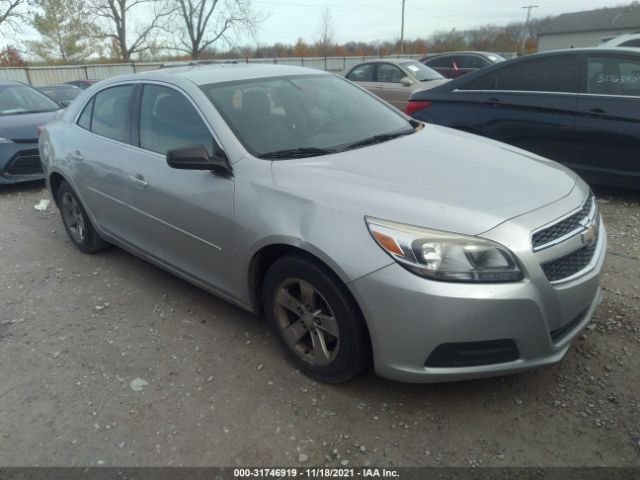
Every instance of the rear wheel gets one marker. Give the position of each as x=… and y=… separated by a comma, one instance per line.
x=77, y=222
x=315, y=320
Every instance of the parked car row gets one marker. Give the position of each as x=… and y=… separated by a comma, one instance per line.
x=580, y=107
x=362, y=235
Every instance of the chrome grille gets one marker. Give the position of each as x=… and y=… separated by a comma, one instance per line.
x=569, y=265
x=25, y=163
x=547, y=236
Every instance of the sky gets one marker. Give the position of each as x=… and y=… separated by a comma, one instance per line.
x=370, y=20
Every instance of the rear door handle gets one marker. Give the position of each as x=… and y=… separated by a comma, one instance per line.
x=597, y=111
x=75, y=155
x=492, y=102
x=139, y=181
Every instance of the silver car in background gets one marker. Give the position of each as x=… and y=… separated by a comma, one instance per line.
x=359, y=234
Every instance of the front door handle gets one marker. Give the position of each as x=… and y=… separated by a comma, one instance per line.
x=492, y=102
x=75, y=155
x=597, y=111
x=139, y=181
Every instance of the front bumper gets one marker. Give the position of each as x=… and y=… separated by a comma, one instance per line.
x=409, y=317
x=20, y=162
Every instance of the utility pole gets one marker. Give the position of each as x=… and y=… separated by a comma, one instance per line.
x=402, y=29
x=525, y=34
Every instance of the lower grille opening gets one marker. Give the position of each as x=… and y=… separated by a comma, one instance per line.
x=559, y=333
x=473, y=354
x=570, y=264
x=25, y=163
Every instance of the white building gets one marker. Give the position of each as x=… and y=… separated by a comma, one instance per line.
x=588, y=29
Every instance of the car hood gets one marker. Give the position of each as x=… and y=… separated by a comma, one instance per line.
x=23, y=126
x=438, y=178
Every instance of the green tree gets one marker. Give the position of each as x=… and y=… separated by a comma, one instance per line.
x=65, y=30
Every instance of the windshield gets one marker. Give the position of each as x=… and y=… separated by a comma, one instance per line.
x=421, y=71
x=19, y=99
x=312, y=114
x=61, y=94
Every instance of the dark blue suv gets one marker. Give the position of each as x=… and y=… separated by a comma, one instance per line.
x=580, y=107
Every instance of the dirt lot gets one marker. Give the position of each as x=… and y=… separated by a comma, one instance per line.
x=76, y=330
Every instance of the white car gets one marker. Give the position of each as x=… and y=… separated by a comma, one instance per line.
x=626, y=40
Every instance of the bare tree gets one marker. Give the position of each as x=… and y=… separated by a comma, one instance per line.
x=118, y=14
x=207, y=21
x=326, y=32
x=11, y=13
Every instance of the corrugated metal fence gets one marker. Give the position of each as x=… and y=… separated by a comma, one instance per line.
x=62, y=74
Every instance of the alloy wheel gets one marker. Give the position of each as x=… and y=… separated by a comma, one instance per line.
x=73, y=218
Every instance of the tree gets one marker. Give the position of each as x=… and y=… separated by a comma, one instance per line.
x=117, y=15
x=11, y=13
x=326, y=32
x=10, y=57
x=65, y=32
x=207, y=21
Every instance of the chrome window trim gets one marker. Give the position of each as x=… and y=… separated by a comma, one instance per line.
x=457, y=90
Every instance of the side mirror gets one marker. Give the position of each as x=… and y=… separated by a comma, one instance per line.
x=65, y=103
x=406, y=81
x=196, y=157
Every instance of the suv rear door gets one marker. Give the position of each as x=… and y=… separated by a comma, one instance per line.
x=608, y=124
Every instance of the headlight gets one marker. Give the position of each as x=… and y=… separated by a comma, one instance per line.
x=5, y=140
x=445, y=256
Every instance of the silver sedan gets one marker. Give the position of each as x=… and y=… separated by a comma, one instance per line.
x=362, y=236
x=394, y=79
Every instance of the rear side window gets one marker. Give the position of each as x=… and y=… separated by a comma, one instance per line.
x=362, y=73
x=631, y=43
x=168, y=121
x=111, y=113
x=613, y=76
x=470, y=61
x=559, y=74
x=440, y=62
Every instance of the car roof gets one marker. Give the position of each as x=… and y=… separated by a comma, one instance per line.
x=462, y=52
x=64, y=85
x=395, y=61
x=11, y=83
x=226, y=72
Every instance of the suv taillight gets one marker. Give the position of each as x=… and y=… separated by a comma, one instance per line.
x=413, y=107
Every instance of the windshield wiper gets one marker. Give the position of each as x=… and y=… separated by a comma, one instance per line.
x=382, y=137
x=302, y=152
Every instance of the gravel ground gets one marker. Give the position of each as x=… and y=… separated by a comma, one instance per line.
x=107, y=360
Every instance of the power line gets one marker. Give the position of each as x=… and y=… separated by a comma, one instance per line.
x=291, y=4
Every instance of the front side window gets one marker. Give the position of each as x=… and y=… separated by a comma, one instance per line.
x=22, y=99
x=111, y=113
x=362, y=73
x=389, y=73
x=613, y=76
x=168, y=121
x=305, y=113
x=557, y=74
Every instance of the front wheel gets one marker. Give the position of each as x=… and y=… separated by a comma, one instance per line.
x=315, y=320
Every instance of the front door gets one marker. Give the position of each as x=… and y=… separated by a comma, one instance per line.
x=182, y=217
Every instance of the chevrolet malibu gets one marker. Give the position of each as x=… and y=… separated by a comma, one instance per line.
x=361, y=235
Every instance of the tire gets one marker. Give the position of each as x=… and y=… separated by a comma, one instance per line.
x=315, y=319
x=76, y=221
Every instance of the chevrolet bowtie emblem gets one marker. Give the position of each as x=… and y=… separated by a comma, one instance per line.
x=590, y=235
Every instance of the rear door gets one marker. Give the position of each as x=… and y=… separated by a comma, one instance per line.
x=184, y=218
x=608, y=124
x=97, y=152
x=531, y=105
x=364, y=75
x=441, y=64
